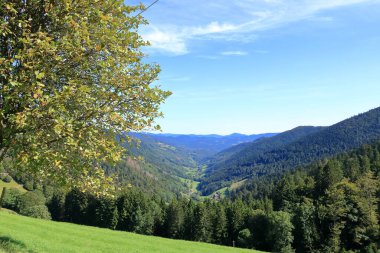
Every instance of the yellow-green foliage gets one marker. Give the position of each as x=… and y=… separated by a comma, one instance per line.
x=72, y=80
x=23, y=234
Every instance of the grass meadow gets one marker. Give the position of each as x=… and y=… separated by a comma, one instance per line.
x=24, y=234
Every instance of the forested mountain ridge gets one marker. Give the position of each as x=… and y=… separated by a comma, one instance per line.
x=218, y=164
x=250, y=149
x=343, y=136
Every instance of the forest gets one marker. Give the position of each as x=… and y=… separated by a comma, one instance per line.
x=330, y=206
x=285, y=151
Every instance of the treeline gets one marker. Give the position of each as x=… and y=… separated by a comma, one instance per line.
x=252, y=225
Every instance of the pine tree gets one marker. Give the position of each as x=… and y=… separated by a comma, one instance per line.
x=202, y=224
x=280, y=231
x=174, y=220
x=219, y=224
x=106, y=213
x=305, y=230
x=76, y=206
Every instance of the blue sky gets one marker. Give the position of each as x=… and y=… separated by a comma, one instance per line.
x=255, y=66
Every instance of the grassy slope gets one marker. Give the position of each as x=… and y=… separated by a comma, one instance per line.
x=24, y=234
x=11, y=184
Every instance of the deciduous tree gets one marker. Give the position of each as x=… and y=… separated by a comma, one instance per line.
x=72, y=80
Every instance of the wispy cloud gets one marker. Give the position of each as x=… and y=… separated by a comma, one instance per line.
x=173, y=39
x=234, y=53
x=175, y=24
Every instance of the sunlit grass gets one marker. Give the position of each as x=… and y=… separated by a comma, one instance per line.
x=24, y=234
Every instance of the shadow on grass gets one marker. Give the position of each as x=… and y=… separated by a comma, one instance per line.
x=10, y=245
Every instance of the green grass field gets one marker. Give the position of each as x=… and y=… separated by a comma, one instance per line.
x=24, y=234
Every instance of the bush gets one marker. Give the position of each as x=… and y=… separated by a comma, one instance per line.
x=40, y=211
x=7, y=179
x=244, y=238
x=10, y=199
x=29, y=185
x=33, y=204
x=2, y=175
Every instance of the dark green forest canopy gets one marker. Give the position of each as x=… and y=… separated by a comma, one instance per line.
x=301, y=146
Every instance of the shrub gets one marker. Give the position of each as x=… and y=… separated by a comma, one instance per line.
x=7, y=179
x=39, y=211
x=2, y=175
x=29, y=185
x=33, y=204
x=10, y=199
x=244, y=238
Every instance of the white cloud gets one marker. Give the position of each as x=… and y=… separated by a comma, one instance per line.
x=179, y=22
x=234, y=53
x=174, y=39
x=166, y=41
x=213, y=27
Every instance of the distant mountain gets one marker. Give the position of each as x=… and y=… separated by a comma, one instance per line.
x=285, y=151
x=202, y=146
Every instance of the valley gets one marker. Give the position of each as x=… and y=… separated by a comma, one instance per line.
x=205, y=165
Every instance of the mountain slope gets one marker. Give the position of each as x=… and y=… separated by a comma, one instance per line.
x=250, y=149
x=252, y=161
x=163, y=169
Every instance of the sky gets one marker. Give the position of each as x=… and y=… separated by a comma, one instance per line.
x=257, y=66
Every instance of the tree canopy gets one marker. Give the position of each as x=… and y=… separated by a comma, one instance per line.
x=72, y=82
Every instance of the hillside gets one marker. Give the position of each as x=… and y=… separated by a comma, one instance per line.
x=250, y=149
x=218, y=165
x=23, y=234
x=162, y=169
x=171, y=161
x=273, y=157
